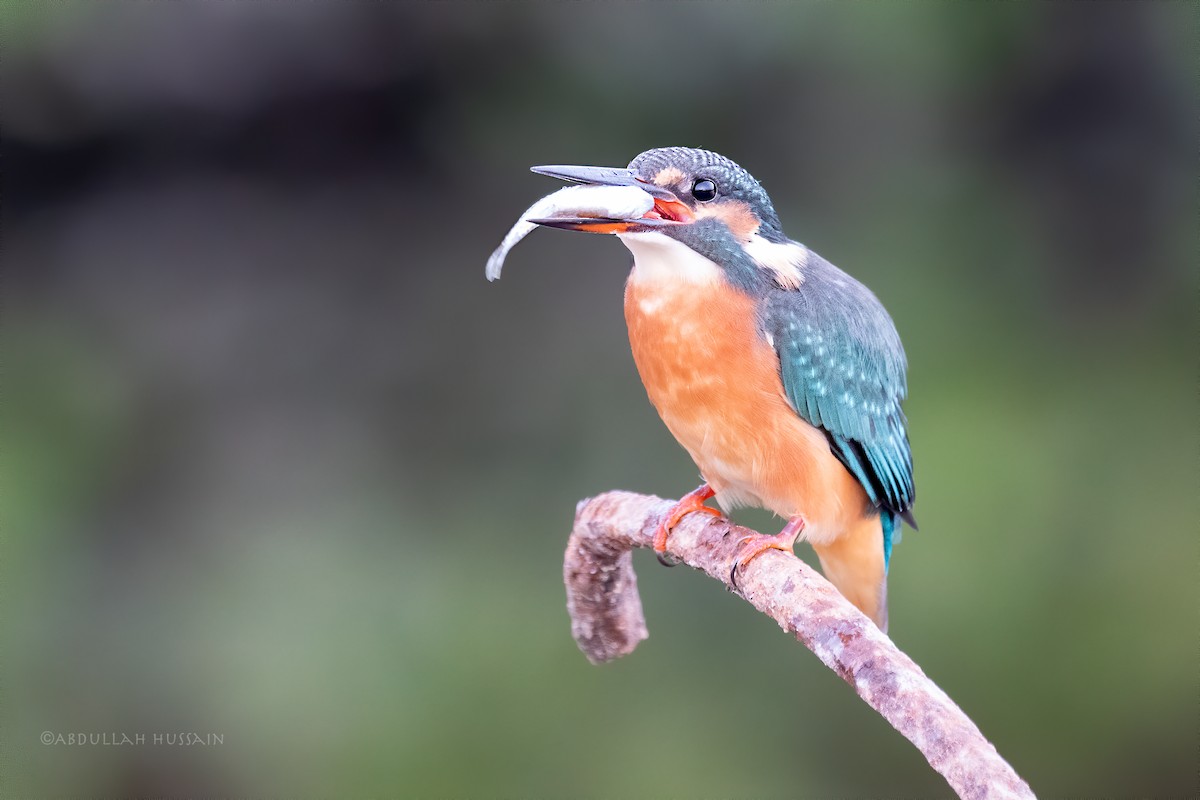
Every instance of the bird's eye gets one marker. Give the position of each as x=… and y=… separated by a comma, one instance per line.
x=704, y=190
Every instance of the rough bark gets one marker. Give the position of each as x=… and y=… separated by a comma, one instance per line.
x=607, y=622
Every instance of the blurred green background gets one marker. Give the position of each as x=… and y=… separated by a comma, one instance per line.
x=280, y=464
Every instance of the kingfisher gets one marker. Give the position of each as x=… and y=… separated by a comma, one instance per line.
x=780, y=374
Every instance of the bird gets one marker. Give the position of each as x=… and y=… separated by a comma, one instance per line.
x=782, y=376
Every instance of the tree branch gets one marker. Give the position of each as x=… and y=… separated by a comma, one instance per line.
x=607, y=622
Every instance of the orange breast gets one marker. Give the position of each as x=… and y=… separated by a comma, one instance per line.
x=715, y=381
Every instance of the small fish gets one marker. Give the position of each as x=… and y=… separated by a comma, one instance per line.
x=603, y=202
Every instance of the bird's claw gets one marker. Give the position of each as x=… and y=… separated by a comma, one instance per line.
x=742, y=560
x=666, y=560
x=751, y=547
x=692, y=501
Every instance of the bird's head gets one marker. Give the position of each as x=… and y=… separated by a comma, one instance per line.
x=703, y=201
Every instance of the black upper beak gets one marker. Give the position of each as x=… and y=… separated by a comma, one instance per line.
x=603, y=176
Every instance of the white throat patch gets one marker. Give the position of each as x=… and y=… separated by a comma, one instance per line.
x=660, y=258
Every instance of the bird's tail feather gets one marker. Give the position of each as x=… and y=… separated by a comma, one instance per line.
x=855, y=564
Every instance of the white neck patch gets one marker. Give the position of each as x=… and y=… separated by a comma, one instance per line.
x=660, y=258
x=786, y=259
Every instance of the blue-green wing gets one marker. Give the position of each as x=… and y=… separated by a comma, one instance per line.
x=843, y=370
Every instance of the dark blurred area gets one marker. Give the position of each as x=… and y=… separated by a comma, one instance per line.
x=281, y=466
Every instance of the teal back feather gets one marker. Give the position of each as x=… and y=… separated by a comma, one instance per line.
x=843, y=370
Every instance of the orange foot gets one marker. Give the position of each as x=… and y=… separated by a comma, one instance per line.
x=756, y=545
x=692, y=501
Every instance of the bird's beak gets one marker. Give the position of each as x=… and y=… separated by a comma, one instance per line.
x=667, y=210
